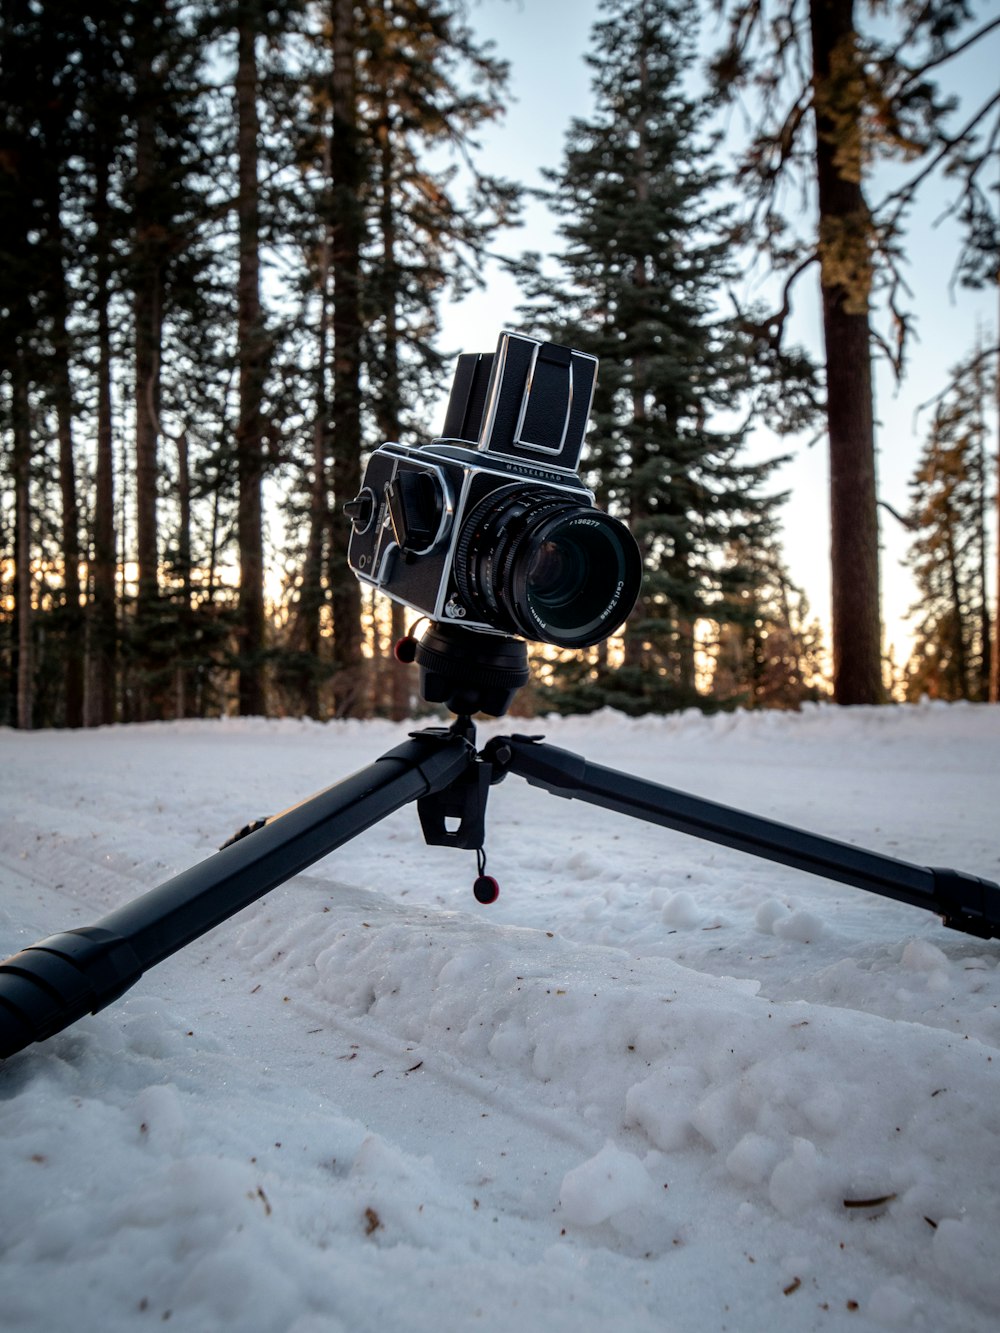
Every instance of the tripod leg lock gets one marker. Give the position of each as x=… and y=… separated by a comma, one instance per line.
x=53, y=983
x=464, y=804
x=967, y=903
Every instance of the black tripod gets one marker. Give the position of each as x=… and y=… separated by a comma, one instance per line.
x=51, y=984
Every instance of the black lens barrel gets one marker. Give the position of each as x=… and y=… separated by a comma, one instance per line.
x=536, y=562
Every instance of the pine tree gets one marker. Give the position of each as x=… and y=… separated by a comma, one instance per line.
x=56, y=141
x=951, y=493
x=19, y=334
x=190, y=422
x=160, y=269
x=38, y=96
x=429, y=235
x=101, y=116
x=253, y=351
x=390, y=226
x=768, y=652
x=23, y=604
x=151, y=218
x=320, y=184
x=645, y=257
x=347, y=174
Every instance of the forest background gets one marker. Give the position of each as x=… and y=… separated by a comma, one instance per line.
x=232, y=234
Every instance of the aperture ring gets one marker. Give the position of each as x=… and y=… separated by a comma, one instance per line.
x=487, y=548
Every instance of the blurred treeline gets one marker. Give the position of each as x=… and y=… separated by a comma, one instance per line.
x=227, y=233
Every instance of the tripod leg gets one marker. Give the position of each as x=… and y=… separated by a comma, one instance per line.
x=963, y=901
x=51, y=984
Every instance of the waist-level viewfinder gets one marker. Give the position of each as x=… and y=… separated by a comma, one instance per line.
x=528, y=400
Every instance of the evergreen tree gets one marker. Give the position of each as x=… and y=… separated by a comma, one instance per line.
x=426, y=88
x=768, y=652
x=155, y=322
x=951, y=491
x=167, y=192
x=415, y=228
x=102, y=121
x=253, y=351
x=160, y=282
x=56, y=143
x=645, y=257
x=347, y=223
x=39, y=95
x=152, y=215
x=324, y=183
x=149, y=375
x=19, y=338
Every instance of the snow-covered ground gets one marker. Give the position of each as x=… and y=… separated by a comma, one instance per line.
x=658, y=1086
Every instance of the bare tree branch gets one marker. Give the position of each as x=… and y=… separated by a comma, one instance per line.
x=944, y=56
x=972, y=364
x=905, y=193
x=907, y=523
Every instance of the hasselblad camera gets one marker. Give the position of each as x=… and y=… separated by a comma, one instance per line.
x=490, y=526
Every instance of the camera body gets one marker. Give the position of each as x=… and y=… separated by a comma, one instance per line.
x=490, y=526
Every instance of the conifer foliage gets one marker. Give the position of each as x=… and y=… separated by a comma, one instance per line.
x=224, y=247
x=952, y=491
x=646, y=256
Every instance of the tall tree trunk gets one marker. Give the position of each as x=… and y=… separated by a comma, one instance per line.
x=995, y=655
x=104, y=637
x=984, y=629
x=147, y=277
x=390, y=397
x=346, y=235
x=22, y=542
x=73, y=617
x=308, y=632
x=994, y=695
x=252, y=343
x=687, y=674
x=844, y=233
x=182, y=691
x=955, y=630
x=73, y=614
x=310, y=601
x=636, y=646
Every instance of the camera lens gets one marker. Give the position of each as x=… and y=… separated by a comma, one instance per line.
x=534, y=562
x=572, y=577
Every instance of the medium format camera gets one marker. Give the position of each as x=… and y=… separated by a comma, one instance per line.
x=490, y=527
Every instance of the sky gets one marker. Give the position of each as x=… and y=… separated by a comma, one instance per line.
x=545, y=42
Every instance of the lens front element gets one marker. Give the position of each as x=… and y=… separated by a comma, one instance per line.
x=556, y=574
x=576, y=576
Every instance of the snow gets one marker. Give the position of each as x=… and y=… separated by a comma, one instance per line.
x=658, y=1085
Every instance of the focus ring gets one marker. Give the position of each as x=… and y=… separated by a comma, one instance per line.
x=492, y=533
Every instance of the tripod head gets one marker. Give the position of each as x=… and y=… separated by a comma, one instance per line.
x=469, y=671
